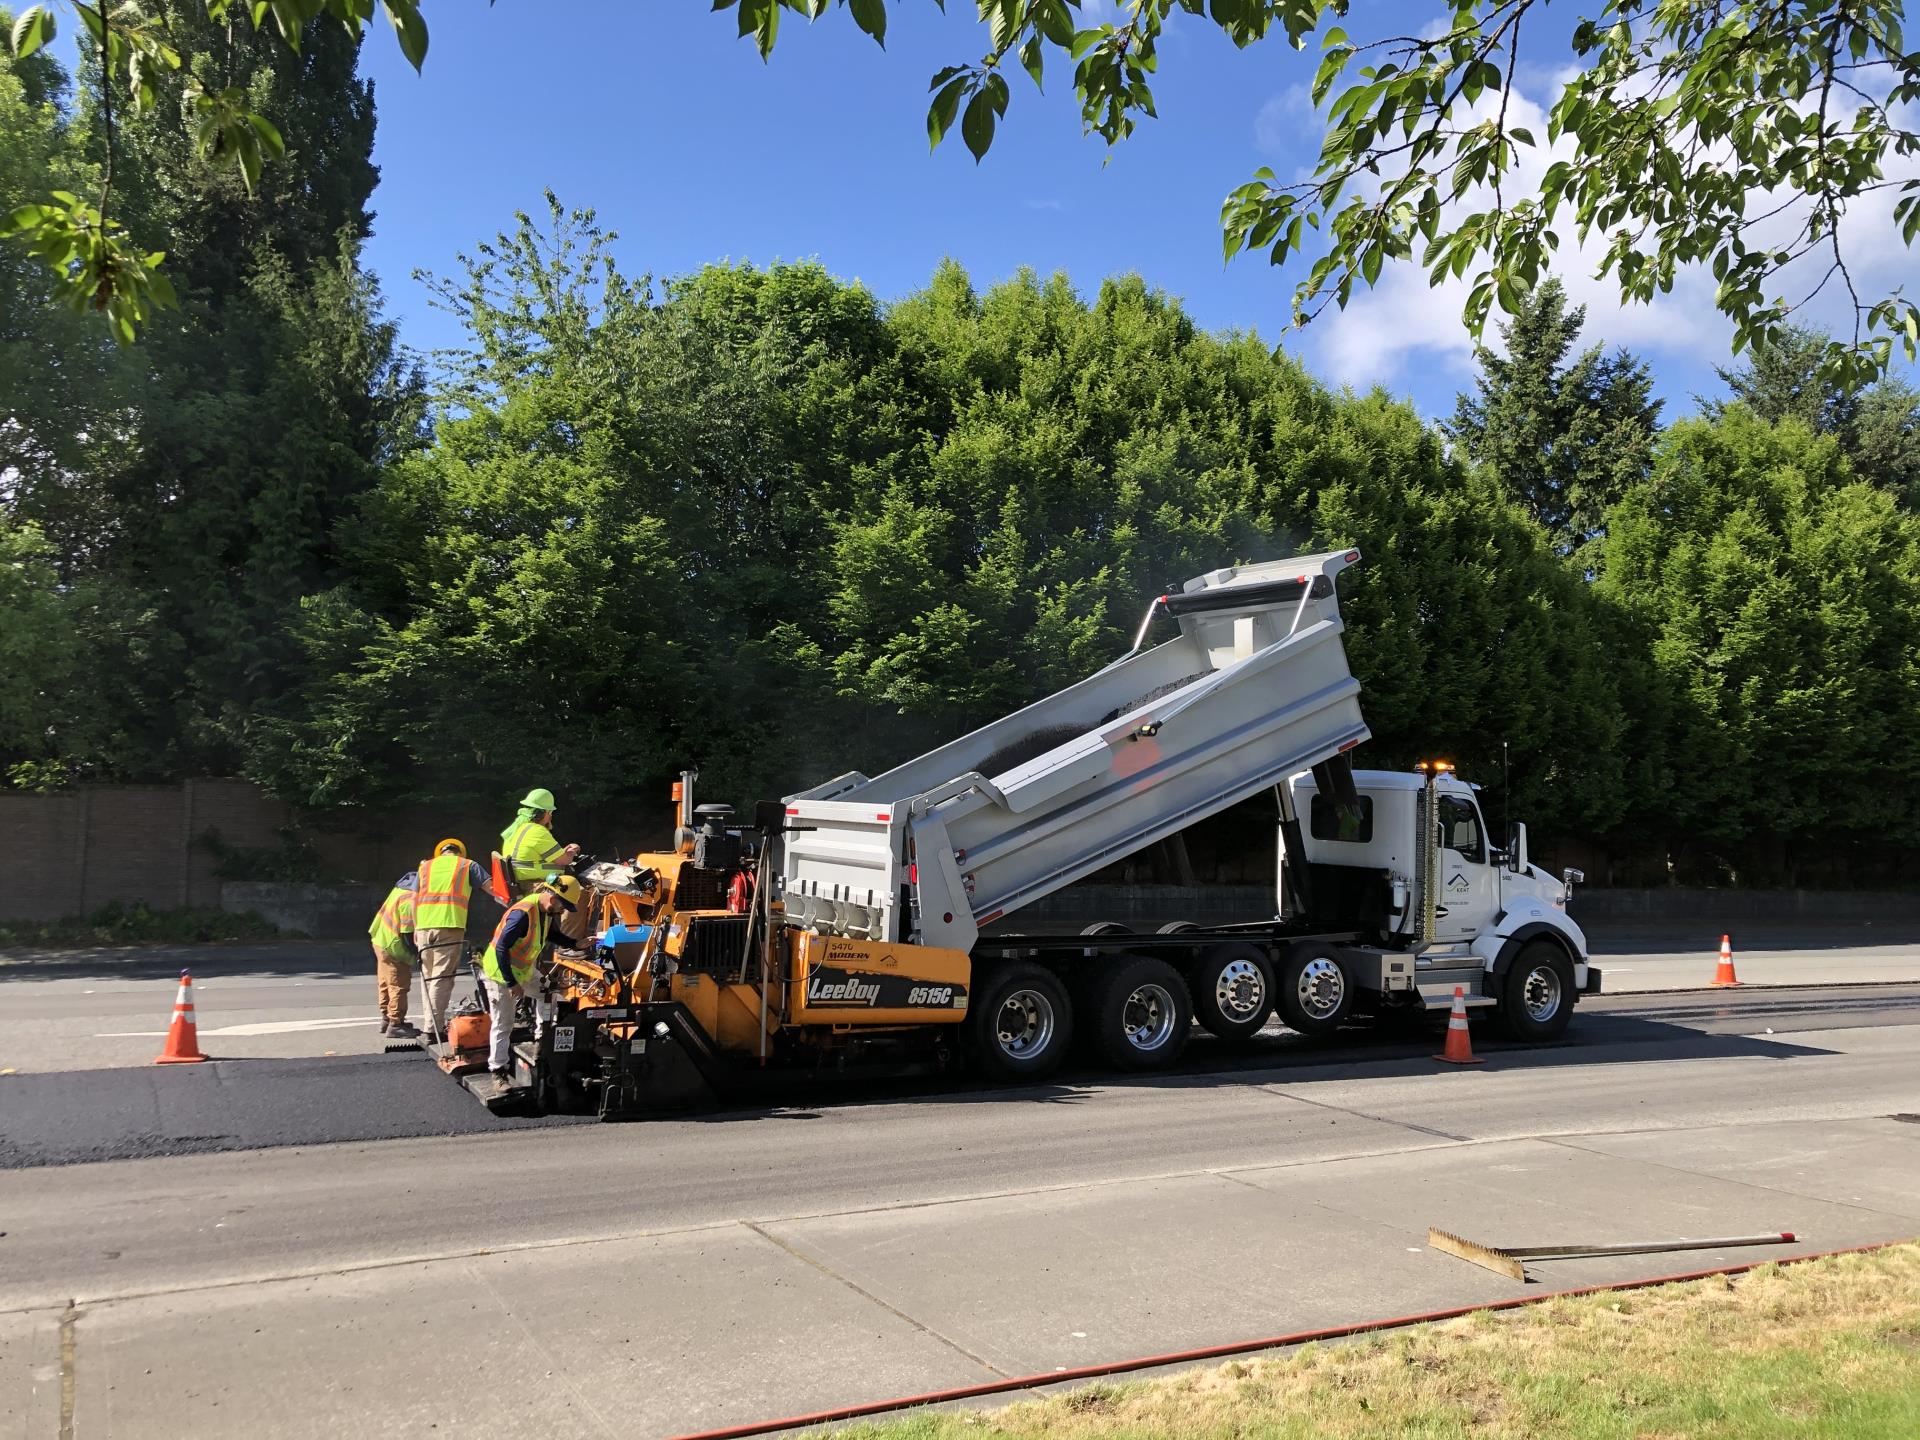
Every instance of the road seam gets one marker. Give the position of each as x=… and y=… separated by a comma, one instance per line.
x=1568, y=1142
x=868, y=1295
x=535, y=1344
x=69, y=1349
x=1363, y=1115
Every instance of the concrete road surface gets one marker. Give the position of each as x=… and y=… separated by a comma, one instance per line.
x=656, y=1278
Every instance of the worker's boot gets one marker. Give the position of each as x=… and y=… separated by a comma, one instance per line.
x=401, y=1030
x=383, y=1025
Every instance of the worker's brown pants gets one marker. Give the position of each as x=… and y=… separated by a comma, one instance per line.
x=439, y=966
x=396, y=980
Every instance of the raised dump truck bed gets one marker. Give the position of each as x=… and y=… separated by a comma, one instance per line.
x=1254, y=688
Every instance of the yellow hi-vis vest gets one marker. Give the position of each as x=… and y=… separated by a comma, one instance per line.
x=515, y=965
x=530, y=849
x=441, y=901
x=392, y=925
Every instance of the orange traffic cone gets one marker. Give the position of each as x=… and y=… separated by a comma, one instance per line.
x=1724, y=974
x=1459, y=1049
x=183, y=1041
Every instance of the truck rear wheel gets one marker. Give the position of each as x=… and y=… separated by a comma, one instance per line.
x=1316, y=993
x=1233, y=991
x=1536, y=996
x=1019, y=1024
x=1140, y=1013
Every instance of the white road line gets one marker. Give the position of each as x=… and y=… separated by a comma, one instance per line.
x=265, y=1027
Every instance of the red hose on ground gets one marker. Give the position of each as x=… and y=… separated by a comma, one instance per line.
x=1241, y=1347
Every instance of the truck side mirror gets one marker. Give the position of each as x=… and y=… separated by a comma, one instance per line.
x=1517, y=849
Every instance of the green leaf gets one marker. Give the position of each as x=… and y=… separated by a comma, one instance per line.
x=410, y=28
x=1054, y=22
x=940, y=113
x=976, y=126
x=871, y=16
x=33, y=29
x=269, y=136
x=1003, y=23
x=1031, y=58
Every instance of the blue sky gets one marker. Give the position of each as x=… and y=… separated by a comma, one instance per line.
x=694, y=151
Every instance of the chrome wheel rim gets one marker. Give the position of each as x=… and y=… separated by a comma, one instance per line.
x=1024, y=1026
x=1541, y=995
x=1241, y=991
x=1322, y=989
x=1148, y=1017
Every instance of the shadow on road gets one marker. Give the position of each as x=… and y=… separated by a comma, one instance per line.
x=1839, y=937
x=292, y=960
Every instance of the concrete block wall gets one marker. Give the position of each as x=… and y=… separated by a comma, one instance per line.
x=71, y=853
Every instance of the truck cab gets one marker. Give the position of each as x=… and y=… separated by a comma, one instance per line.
x=1352, y=859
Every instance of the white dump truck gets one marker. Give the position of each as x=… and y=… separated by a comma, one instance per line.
x=1390, y=893
x=878, y=922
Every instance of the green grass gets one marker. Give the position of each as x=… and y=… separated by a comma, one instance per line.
x=1827, y=1350
x=135, y=924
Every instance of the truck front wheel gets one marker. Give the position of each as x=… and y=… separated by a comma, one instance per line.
x=1019, y=1023
x=1140, y=1013
x=1316, y=993
x=1536, y=997
x=1233, y=991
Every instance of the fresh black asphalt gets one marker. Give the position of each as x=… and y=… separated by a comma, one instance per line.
x=80, y=1116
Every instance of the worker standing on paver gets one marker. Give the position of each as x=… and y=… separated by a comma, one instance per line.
x=506, y=965
x=393, y=954
x=443, y=889
x=528, y=845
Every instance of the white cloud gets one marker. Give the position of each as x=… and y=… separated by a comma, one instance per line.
x=1278, y=128
x=1403, y=322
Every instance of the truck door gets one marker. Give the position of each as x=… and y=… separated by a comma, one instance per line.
x=1469, y=885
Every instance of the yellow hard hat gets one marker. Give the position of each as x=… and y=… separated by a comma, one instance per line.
x=539, y=799
x=563, y=886
x=451, y=844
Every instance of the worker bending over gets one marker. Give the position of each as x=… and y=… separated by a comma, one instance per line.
x=528, y=845
x=393, y=954
x=443, y=890
x=506, y=965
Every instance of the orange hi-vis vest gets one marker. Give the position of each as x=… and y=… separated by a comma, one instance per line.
x=440, y=902
x=519, y=957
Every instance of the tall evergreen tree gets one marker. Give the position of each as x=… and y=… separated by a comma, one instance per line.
x=268, y=399
x=1563, y=438
x=1878, y=428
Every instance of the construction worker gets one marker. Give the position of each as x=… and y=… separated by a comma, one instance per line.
x=528, y=845
x=393, y=954
x=506, y=965
x=442, y=889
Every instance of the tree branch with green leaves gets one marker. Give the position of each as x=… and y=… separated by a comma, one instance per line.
x=1733, y=134
x=96, y=263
